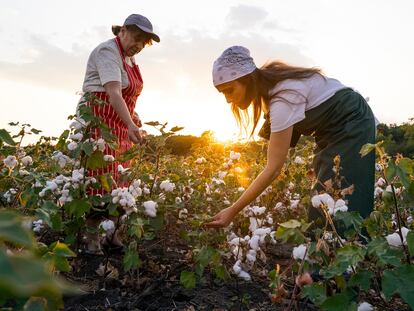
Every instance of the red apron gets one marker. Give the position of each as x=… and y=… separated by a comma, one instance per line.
x=108, y=115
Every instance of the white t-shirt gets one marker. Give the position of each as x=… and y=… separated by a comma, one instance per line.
x=297, y=96
x=104, y=65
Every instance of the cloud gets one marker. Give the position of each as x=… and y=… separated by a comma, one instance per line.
x=187, y=56
x=245, y=16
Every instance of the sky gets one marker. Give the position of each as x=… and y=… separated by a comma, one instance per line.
x=366, y=44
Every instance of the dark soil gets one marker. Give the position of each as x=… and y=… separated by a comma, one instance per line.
x=156, y=286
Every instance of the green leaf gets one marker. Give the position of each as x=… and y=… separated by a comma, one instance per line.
x=153, y=123
x=187, y=279
x=95, y=160
x=410, y=242
x=61, y=263
x=362, y=279
x=290, y=235
x=221, y=272
x=367, y=148
x=293, y=223
x=11, y=230
x=315, y=292
x=340, y=302
x=390, y=170
x=61, y=249
x=6, y=138
x=205, y=255
x=35, y=131
x=62, y=140
x=78, y=207
x=349, y=255
x=131, y=260
x=176, y=129
x=87, y=147
x=35, y=304
x=399, y=281
x=106, y=182
x=353, y=219
x=24, y=275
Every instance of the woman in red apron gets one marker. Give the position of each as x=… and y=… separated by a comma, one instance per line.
x=113, y=77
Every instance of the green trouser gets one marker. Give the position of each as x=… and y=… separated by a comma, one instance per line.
x=341, y=126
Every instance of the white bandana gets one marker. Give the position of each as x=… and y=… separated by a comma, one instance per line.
x=233, y=63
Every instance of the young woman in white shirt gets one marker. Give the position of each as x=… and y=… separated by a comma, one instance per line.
x=298, y=101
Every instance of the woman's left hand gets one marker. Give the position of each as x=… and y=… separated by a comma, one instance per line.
x=222, y=219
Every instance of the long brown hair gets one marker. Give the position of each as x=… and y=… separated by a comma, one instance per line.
x=259, y=83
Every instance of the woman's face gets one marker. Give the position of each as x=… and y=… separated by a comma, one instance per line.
x=235, y=93
x=131, y=41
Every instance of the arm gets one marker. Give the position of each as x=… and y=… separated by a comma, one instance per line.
x=113, y=89
x=276, y=155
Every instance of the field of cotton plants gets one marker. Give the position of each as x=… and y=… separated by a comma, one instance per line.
x=270, y=258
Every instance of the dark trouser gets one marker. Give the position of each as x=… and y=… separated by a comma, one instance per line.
x=345, y=124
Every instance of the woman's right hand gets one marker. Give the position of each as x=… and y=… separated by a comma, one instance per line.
x=223, y=218
x=134, y=134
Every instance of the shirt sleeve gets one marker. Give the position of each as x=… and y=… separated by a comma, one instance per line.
x=108, y=66
x=287, y=108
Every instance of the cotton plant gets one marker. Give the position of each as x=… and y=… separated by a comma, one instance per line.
x=246, y=249
x=125, y=199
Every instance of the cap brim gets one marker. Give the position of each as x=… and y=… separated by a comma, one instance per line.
x=147, y=30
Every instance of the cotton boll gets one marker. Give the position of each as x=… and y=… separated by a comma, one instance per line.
x=108, y=226
x=327, y=200
x=183, y=213
x=298, y=160
x=258, y=210
x=234, y=155
x=150, y=208
x=244, y=275
x=167, y=186
x=316, y=201
x=294, y=203
x=108, y=158
x=238, y=170
x=236, y=267
x=394, y=239
x=10, y=161
x=27, y=160
x=253, y=224
x=200, y=160
x=77, y=137
x=279, y=205
x=262, y=231
x=365, y=306
x=299, y=252
x=72, y=145
x=378, y=191
x=251, y=255
x=254, y=242
x=380, y=182
x=122, y=170
x=235, y=241
x=222, y=174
